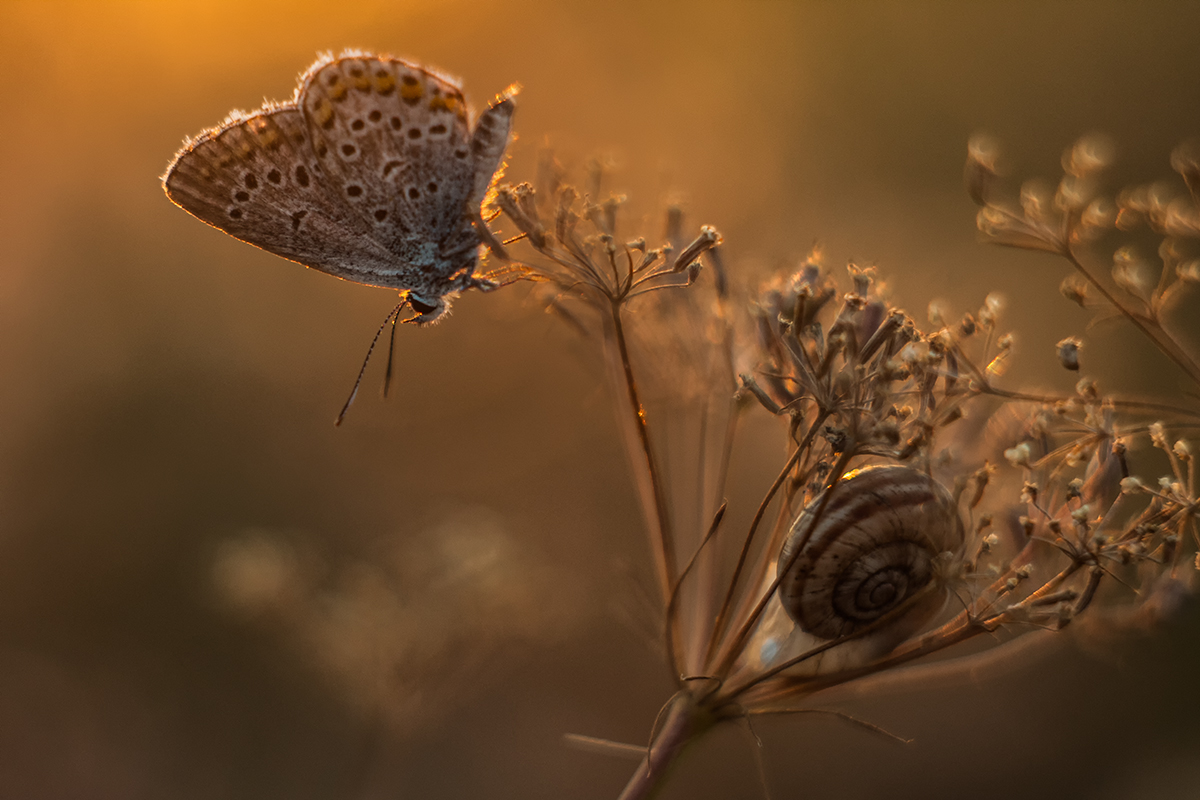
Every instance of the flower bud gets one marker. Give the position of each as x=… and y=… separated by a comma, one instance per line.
x=1088, y=155
x=1068, y=353
x=1131, y=484
x=980, y=171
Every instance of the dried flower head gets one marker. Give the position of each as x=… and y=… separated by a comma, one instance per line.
x=889, y=532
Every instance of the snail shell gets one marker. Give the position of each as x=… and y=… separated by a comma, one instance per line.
x=872, y=547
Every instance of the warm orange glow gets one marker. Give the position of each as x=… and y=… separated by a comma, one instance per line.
x=467, y=554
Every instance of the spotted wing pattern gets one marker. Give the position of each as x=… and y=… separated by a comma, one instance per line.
x=256, y=178
x=371, y=174
x=394, y=142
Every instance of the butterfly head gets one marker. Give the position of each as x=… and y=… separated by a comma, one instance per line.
x=428, y=308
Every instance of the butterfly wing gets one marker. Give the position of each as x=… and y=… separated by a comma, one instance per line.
x=257, y=178
x=394, y=142
x=372, y=175
x=489, y=140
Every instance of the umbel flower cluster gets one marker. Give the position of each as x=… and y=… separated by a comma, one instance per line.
x=921, y=502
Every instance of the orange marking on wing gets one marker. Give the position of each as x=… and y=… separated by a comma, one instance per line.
x=323, y=111
x=384, y=82
x=412, y=91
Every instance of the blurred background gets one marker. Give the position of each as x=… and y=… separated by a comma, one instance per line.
x=208, y=591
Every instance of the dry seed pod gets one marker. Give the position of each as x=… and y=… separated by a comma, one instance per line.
x=871, y=549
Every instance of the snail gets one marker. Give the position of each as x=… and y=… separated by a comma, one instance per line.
x=871, y=550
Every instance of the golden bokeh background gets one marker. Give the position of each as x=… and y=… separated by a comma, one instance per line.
x=207, y=591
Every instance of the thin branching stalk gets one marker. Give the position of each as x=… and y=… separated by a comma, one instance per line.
x=1153, y=331
x=869, y=400
x=664, y=553
x=682, y=724
x=718, y=630
x=732, y=648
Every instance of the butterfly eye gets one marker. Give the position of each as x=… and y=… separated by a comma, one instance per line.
x=421, y=307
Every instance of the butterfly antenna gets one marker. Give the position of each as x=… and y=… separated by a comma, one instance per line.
x=387, y=376
x=394, y=313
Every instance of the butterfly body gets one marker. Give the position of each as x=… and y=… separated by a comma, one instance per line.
x=371, y=173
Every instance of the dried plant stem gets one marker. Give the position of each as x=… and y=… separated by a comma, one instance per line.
x=964, y=626
x=859, y=383
x=737, y=689
x=734, y=646
x=662, y=538
x=670, y=613
x=1130, y=405
x=1154, y=332
x=918, y=648
x=800, y=451
x=683, y=723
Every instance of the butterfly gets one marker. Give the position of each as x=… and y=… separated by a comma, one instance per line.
x=372, y=173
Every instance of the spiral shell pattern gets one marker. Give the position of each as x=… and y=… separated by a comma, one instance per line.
x=872, y=547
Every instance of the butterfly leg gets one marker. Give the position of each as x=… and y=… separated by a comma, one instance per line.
x=482, y=284
x=464, y=280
